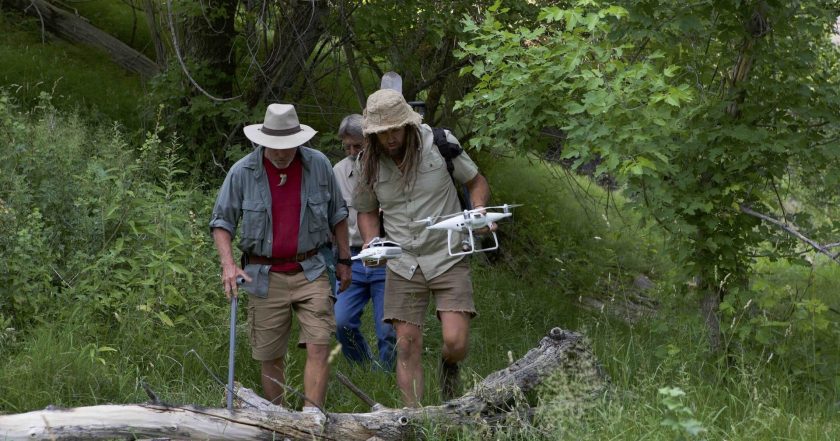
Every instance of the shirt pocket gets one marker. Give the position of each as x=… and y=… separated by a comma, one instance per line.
x=254, y=219
x=317, y=204
x=432, y=174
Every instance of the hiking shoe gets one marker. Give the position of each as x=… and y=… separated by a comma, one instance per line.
x=450, y=380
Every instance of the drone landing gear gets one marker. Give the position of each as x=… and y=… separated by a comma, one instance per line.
x=468, y=246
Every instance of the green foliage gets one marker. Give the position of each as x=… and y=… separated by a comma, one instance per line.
x=678, y=416
x=573, y=235
x=91, y=225
x=790, y=318
x=666, y=387
x=632, y=86
x=210, y=129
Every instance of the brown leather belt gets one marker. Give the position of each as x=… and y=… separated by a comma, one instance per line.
x=262, y=260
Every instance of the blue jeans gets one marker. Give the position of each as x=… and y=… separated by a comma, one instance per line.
x=368, y=284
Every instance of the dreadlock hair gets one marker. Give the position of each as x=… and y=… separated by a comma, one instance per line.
x=375, y=150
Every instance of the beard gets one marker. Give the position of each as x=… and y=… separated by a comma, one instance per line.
x=396, y=153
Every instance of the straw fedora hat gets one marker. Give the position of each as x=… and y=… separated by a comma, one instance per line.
x=386, y=109
x=280, y=129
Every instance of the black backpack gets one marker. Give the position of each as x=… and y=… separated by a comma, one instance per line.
x=449, y=151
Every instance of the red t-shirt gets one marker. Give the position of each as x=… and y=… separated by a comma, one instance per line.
x=285, y=211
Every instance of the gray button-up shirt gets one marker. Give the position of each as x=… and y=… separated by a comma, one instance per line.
x=245, y=196
x=430, y=195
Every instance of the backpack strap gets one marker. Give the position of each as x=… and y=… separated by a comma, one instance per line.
x=447, y=149
x=450, y=150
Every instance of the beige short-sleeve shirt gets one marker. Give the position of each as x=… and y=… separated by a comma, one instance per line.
x=432, y=194
x=347, y=177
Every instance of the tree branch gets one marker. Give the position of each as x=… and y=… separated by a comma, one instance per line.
x=791, y=229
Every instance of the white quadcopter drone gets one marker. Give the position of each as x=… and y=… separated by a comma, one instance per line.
x=377, y=251
x=466, y=222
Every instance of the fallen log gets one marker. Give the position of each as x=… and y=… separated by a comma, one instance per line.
x=74, y=28
x=498, y=396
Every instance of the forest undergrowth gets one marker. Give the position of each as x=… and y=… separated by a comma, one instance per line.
x=109, y=281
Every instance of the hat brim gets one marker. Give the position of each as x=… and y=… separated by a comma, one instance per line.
x=256, y=135
x=414, y=119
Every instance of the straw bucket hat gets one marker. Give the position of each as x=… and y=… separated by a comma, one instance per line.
x=280, y=129
x=386, y=109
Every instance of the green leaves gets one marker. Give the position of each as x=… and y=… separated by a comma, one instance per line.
x=100, y=226
x=677, y=416
x=638, y=90
x=674, y=95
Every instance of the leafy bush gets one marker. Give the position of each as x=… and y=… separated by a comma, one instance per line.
x=788, y=318
x=91, y=223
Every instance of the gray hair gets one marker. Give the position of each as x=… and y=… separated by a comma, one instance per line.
x=351, y=126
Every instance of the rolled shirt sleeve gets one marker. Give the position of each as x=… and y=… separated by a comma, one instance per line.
x=364, y=198
x=338, y=208
x=228, y=207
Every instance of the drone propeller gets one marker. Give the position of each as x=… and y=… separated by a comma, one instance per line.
x=505, y=208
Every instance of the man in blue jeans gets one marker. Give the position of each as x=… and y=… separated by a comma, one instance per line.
x=368, y=283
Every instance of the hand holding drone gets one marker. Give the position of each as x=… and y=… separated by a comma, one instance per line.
x=468, y=222
x=377, y=251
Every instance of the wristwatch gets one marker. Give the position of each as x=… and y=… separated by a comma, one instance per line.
x=347, y=262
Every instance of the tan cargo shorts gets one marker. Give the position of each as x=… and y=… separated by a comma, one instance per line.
x=271, y=318
x=407, y=300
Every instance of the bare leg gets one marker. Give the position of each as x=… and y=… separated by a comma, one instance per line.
x=273, y=377
x=455, y=327
x=409, y=368
x=316, y=373
x=456, y=333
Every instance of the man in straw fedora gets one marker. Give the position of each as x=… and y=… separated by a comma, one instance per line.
x=404, y=175
x=289, y=204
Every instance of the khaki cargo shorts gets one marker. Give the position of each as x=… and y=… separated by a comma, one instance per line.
x=407, y=300
x=271, y=318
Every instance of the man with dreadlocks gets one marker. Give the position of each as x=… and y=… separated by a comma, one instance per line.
x=403, y=173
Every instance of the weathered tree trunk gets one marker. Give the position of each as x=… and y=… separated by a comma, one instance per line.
x=350, y=54
x=74, y=28
x=562, y=353
x=208, y=38
x=298, y=30
x=149, y=8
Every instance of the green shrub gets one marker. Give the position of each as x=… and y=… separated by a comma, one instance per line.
x=90, y=222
